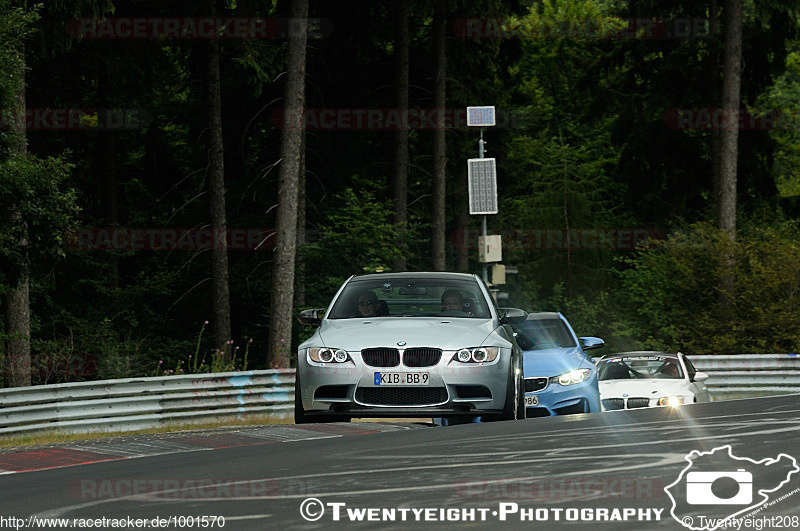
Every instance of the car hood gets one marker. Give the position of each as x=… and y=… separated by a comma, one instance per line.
x=651, y=388
x=552, y=361
x=447, y=334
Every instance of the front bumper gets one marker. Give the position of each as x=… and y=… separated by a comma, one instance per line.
x=557, y=399
x=351, y=389
x=639, y=402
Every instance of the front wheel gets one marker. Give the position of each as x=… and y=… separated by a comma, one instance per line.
x=514, y=407
x=300, y=416
x=519, y=397
x=522, y=409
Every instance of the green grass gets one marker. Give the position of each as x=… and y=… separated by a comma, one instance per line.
x=57, y=436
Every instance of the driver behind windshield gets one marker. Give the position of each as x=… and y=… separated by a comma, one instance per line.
x=669, y=370
x=451, y=300
x=368, y=304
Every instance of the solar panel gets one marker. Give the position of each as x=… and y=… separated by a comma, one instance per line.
x=480, y=116
x=482, y=177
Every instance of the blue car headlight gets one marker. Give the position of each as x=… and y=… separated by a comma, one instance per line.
x=572, y=377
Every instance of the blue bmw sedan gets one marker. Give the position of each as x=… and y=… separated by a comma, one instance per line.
x=560, y=378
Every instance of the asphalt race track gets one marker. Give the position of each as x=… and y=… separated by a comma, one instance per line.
x=604, y=471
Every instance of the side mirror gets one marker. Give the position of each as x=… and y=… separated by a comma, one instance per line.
x=700, y=377
x=512, y=316
x=590, y=343
x=311, y=317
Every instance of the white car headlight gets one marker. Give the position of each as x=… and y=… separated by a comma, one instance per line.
x=573, y=377
x=477, y=354
x=328, y=355
x=672, y=401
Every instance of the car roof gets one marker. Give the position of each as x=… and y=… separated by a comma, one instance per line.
x=635, y=353
x=534, y=316
x=415, y=274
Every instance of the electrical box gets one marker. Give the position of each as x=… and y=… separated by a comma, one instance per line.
x=490, y=248
x=498, y=274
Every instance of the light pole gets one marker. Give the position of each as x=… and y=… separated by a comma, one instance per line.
x=482, y=177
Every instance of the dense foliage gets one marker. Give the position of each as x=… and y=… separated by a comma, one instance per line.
x=589, y=145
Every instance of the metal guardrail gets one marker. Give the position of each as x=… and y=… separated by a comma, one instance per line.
x=140, y=403
x=750, y=375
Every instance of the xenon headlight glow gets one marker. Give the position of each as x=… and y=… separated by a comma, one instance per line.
x=573, y=377
x=477, y=354
x=672, y=401
x=328, y=355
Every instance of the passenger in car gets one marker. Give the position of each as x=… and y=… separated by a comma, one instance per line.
x=669, y=370
x=617, y=371
x=370, y=306
x=383, y=309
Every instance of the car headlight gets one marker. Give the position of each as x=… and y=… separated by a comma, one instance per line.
x=573, y=377
x=477, y=354
x=328, y=355
x=672, y=401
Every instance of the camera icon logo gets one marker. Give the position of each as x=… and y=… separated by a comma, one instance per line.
x=699, y=488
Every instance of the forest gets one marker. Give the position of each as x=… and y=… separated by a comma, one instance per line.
x=179, y=179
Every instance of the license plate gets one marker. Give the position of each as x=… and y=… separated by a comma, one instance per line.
x=531, y=400
x=401, y=378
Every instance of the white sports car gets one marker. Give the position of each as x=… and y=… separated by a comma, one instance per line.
x=630, y=380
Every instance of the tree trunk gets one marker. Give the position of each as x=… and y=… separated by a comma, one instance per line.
x=439, y=152
x=400, y=154
x=17, y=370
x=565, y=208
x=732, y=77
x=17, y=351
x=716, y=134
x=283, y=266
x=105, y=167
x=220, y=289
x=300, y=266
x=462, y=230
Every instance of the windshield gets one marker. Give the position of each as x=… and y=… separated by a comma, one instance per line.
x=411, y=297
x=545, y=333
x=639, y=367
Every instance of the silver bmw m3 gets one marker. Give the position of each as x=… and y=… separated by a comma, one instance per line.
x=410, y=345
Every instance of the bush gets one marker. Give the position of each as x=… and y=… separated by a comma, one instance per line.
x=674, y=301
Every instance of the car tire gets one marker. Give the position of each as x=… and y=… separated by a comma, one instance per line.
x=514, y=407
x=511, y=408
x=520, y=395
x=301, y=417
